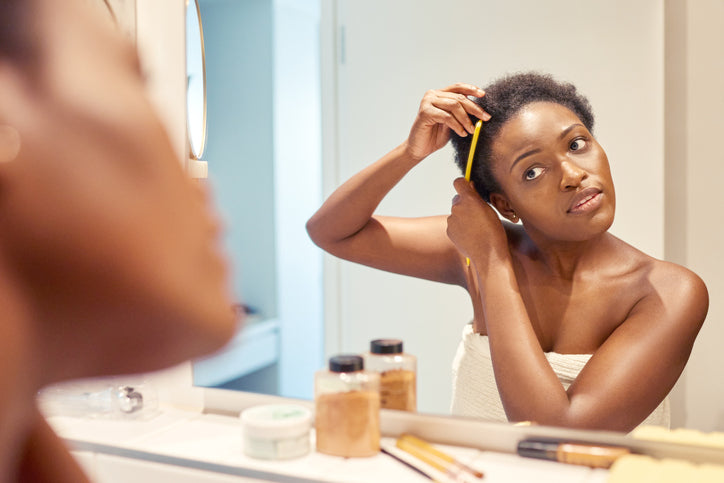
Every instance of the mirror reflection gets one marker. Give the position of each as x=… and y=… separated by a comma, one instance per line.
x=374, y=70
x=196, y=80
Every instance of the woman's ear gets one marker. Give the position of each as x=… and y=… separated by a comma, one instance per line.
x=501, y=203
x=9, y=143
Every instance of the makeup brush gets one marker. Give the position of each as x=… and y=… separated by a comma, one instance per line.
x=433, y=456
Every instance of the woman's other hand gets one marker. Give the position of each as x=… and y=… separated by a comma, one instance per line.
x=441, y=110
x=473, y=225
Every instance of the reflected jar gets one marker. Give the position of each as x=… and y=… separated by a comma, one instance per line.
x=347, y=408
x=398, y=374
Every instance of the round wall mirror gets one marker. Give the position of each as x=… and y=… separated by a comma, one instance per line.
x=196, y=80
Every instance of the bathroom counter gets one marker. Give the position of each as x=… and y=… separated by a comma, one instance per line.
x=184, y=446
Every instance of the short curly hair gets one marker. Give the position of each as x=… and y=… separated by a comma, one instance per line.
x=503, y=99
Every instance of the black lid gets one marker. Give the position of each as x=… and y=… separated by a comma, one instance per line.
x=542, y=449
x=346, y=363
x=386, y=346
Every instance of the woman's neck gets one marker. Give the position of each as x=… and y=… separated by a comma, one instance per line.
x=566, y=259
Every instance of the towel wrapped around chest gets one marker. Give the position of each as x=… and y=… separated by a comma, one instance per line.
x=475, y=393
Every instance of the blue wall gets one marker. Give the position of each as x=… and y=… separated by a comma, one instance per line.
x=264, y=158
x=240, y=149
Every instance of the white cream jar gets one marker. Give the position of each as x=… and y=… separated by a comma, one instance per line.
x=276, y=431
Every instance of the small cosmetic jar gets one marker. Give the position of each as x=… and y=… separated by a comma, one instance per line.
x=276, y=431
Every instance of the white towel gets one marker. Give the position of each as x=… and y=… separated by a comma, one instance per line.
x=475, y=393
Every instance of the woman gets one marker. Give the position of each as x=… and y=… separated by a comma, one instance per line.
x=109, y=259
x=557, y=282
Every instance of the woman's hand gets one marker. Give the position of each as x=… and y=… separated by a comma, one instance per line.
x=441, y=110
x=473, y=225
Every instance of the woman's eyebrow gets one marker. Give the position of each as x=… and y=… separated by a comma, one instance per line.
x=537, y=150
x=569, y=129
x=525, y=154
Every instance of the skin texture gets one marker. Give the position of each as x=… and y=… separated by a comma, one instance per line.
x=557, y=282
x=109, y=255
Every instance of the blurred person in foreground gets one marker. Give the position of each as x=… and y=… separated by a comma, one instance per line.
x=109, y=258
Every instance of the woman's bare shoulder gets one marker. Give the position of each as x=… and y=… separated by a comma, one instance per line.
x=675, y=290
x=652, y=268
x=680, y=282
x=664, y=275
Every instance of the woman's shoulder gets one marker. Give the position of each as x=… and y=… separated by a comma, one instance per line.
x=662, y=274
x=678, y=281
x=672, y=287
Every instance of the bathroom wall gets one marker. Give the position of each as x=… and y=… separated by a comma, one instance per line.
x=240, y=78
x=298, y=183
x=265, y=171
x=694, y=100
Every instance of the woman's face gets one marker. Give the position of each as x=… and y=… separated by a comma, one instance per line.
x=98, y=219
x=553, y=173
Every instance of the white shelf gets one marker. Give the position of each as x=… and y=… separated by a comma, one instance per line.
x=254, y=347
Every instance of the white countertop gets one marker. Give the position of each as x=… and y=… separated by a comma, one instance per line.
x=213, y=443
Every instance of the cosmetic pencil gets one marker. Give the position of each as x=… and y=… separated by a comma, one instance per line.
x=586, y=454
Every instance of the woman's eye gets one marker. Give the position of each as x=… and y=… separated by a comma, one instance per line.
x=577, y=144
x=533, y=173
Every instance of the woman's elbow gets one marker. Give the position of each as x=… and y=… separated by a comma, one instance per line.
x=315, y=231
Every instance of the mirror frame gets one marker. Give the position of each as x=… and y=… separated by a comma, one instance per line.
x=196, y=155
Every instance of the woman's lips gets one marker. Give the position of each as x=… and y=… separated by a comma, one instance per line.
x=587, y=200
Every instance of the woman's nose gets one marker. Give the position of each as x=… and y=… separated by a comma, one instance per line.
x=571, y=175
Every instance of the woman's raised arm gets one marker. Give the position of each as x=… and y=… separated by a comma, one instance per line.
x=345, y=225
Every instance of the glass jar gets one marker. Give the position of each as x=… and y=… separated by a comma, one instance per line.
x=398, y=374
x=347, y=408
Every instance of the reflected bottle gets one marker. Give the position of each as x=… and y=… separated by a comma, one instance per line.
x=398, y=374
x=347, y=408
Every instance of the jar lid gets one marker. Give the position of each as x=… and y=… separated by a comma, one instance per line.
x=346, y=363
x=276, y=421
x=386, y=346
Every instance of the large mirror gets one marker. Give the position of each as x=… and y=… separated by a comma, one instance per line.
x=304, y=119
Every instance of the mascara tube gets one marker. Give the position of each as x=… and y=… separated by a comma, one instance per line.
x=595, y=456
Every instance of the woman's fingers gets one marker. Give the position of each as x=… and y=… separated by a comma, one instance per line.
x=454, y=110
x=467, y=89
x=440, y=110
x=464, y=92
x=441, y=115
x=462, y=186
